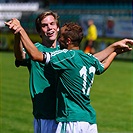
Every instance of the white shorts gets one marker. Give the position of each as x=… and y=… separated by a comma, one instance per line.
x=76, y=127
x=45, y=126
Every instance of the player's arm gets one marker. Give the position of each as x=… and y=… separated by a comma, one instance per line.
x=102, y=55
x=22, y=38
x=107, y=62
x=32, y=51
x=18, y=48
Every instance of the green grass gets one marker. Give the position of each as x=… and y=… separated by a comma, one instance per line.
x=111, y=96
x=16, y=108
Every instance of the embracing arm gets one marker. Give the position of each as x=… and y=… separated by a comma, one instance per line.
x=102, y=55
x=33, y=52
x=23, y=39
x=18, y=48
x=107, y=62
x=122, y=44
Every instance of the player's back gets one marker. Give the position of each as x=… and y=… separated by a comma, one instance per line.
x=76, y=73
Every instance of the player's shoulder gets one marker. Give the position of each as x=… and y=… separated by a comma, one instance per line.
x=37, y=44
x=87, y=56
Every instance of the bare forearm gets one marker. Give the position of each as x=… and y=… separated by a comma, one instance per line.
x=17, y=29
x=33, y=52
x=18, y=48
x=102, y=55
x=122, y=44
x=107, y=62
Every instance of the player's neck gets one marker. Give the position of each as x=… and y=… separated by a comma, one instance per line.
x=73, y=47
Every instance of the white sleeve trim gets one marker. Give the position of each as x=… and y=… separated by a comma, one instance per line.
x=48, y=56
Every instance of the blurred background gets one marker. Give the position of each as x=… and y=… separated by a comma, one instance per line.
x=112, y=95
x=113, y=19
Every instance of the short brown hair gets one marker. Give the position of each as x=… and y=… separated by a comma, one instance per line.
x=42, y=16
x=74, y=32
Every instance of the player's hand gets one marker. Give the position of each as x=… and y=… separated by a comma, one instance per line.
x=125, y=43
x=14, y=25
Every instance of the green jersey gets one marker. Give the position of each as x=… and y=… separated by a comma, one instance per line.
x=42, y=83
x=76, y=72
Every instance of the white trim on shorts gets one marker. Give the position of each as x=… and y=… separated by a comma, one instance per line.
x=76, y=127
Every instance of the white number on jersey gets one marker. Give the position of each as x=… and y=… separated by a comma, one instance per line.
x=83, y=73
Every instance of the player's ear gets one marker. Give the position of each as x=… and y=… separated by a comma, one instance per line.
x=68, y=41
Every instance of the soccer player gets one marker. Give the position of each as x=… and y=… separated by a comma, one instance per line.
x=42, y=80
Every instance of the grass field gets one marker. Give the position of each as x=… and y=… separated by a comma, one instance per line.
x=111, y=96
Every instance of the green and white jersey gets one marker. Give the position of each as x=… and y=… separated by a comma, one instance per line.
x=42, y=83
x=76, y=72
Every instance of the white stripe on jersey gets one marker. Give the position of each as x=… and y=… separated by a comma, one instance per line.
x=58, y=52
